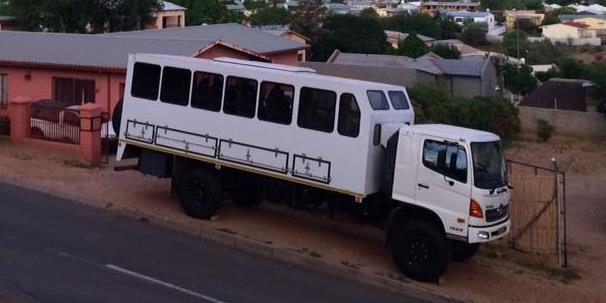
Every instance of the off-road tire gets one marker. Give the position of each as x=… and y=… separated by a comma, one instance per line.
x=200, y=193
x=462, y=251
x=420, y=250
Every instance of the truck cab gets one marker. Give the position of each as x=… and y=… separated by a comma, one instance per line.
x=457, y=177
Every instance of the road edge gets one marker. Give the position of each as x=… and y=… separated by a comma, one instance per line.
x=396, y=283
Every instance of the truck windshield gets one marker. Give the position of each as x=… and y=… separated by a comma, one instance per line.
x=489, y=171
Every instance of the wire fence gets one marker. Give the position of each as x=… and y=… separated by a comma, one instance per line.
x=538, y=210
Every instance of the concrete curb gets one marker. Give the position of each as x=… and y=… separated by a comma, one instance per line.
x=394, y=283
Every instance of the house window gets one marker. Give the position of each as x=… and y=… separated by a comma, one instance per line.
x=146, y=81
x=349, y=116
x=3, y=90
x=445, y=158
x=317, y=109
x=377, y=99
x=207, y=91
x=73, y=91
x=176, y=83
x=275, y=102
x=240, y=97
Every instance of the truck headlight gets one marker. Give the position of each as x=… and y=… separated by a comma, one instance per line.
x=483, y=235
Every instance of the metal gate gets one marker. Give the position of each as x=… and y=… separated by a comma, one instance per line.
x=54, y=121
x=538, y=209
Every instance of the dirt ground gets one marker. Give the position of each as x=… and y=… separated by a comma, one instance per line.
x=497, y=274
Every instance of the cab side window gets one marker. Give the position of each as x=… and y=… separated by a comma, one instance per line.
x=446, y=158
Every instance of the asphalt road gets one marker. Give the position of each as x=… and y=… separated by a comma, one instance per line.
x=54, y=250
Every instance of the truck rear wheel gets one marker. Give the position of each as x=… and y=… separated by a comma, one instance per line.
x=462, y=251
x=199, y=193
x=420, y=250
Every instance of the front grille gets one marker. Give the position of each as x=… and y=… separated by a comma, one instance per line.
x=496, y=214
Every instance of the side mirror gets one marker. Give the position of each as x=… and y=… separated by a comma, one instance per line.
x=450, y=182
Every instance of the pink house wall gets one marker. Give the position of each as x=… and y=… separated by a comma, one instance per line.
x=288, y=58
x=37, y=83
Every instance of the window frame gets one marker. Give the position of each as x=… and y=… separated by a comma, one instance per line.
x=189, y=83
x=157, y=94
x=221, y=97
x=334, y=110
x=256, y=99
x=292, y=102
x=447, y=172
x=371, y=103
x=357, y=132
x=75, y=85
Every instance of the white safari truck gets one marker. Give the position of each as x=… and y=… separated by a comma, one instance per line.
x=247, y=131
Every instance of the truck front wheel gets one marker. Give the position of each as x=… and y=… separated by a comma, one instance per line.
x=199, y=193
x=420, y=250
x=462, y=251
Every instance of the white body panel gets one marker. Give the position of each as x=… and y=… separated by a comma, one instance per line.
x=346, y=164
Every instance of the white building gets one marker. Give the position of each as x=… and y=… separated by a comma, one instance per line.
x=460, y=17
x=569, y=30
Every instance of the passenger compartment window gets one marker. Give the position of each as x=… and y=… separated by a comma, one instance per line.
x=349, y=116
x=146, y=81
x=240, y=97
x=446, y=158
x=317, y=109
x=398, y=98
x=377, y=99
x=176, y=83
x=207, y=91
x=275, y=102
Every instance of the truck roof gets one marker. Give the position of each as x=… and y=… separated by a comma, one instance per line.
x=272, y=68
x=454, y=132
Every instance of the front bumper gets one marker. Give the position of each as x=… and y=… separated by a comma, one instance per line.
x=478, y=234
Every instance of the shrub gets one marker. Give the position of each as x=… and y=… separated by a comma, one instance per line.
x=544, y=130
x=493, y=114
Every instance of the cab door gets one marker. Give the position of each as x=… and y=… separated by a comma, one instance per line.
x=444, y=182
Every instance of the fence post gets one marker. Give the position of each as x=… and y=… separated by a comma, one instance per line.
x=20, y=119
x=90, y=132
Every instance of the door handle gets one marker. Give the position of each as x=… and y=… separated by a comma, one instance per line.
x=423, y=185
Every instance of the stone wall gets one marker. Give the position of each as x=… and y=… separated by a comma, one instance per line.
x=588, y=125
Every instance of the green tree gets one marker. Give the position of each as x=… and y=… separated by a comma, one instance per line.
x=446, y=51
x=81, y=16
x=270, y=15
x=551, y=19
x=369, y=12
x=432, y=104
x=448, y=28
x=422, y=24
x=308, y=19
x=519, y=79
x=514, y=41
x=543, y=52
x=544, y=76
x=208, y=11
x=349, y=33
x=413, y=46
x=597, y=75
x=571, y=68
x=474, y=34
